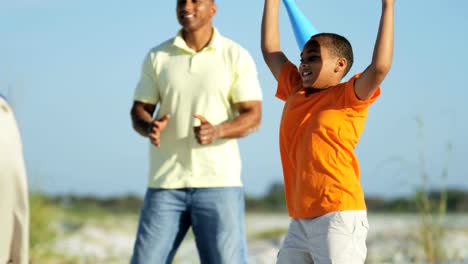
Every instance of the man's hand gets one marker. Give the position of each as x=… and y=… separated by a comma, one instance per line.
x=155, y=128
x=206, y=133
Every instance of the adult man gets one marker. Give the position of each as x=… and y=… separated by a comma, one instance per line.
x=14, y=208
x=208, y=94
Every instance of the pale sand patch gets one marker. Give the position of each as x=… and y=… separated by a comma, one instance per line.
x=391, y=239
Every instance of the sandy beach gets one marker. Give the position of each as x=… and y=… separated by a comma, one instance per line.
x=392, y=238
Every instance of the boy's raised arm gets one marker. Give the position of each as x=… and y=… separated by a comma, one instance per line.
x=372, y=77
x=270, y=42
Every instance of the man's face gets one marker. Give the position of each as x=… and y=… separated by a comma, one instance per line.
x=195, y=14
x=317, y=65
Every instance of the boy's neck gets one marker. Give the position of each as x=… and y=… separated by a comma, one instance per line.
x=327, y=86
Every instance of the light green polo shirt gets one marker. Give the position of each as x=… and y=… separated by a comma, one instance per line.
x=182, y=83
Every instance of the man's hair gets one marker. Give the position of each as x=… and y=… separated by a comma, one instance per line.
x=338, y=46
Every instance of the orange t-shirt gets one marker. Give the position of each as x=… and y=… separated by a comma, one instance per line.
x=318, y=134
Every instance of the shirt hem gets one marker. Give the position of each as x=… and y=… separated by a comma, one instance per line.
x=200, y=185
x=321, y=212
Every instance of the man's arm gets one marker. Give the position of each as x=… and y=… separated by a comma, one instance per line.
x=372, y=77
x=248, y=121
x=270, y=42
x=143, y=123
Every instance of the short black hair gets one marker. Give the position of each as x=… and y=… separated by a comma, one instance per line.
x=338, y=46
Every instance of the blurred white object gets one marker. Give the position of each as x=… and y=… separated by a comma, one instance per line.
x=14, y=206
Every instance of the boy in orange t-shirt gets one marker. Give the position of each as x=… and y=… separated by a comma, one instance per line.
x=320, y=127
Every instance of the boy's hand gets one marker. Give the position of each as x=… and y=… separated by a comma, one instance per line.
x=270, y=38
x=206, y=133
x=155, y=128
x=369, y=81
x=388, y=2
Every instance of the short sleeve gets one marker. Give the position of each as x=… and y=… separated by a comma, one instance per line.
x=289, y=81
x=147, y=90
x=351, y=99
x=246, y=86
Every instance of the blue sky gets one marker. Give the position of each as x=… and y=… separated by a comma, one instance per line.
x=70, y=67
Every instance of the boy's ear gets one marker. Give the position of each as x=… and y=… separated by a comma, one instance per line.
x=341, y=64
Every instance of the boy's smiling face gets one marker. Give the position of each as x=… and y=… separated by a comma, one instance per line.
x=319, y=68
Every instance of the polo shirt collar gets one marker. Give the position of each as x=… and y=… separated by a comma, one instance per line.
x=214, y=43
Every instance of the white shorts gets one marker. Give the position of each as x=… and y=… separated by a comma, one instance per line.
x=336, y=237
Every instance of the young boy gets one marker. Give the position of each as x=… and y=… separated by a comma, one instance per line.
x=320, y=127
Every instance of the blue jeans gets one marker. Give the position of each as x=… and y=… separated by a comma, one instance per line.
x=216, y=216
